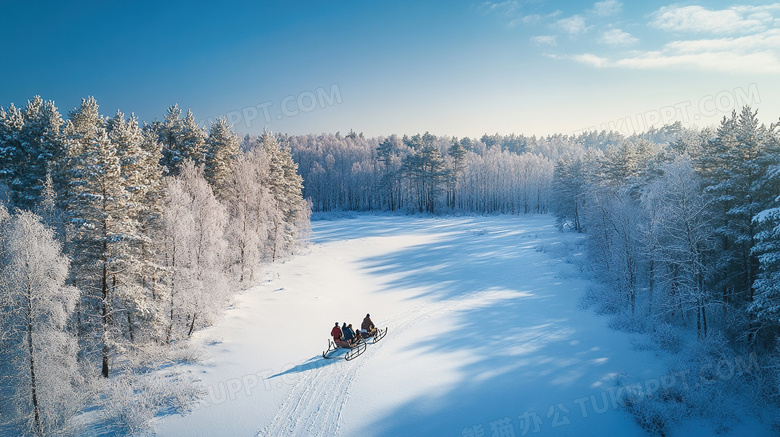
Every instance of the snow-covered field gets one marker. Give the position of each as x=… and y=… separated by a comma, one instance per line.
x=486, y=338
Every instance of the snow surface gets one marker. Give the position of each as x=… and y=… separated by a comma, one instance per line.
x=485, y=338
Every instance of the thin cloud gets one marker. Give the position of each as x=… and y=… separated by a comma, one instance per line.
x=607, y=8
x=538, y=18
x=734, y=20
x=545, y=40
x=739, y=39
x=573, y=25
x=508, y=7
x=592, y=60
x=730, y=62
x=511, y=11
x=746, y=54
x=764, y=41
x=617, y=37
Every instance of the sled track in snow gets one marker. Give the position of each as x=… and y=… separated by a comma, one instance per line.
x=315, y=404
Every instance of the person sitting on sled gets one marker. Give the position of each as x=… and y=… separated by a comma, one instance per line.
x=336, y=332
x=367, y=328
x=349, y=334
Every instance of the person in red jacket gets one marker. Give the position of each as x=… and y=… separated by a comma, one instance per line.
x=336, y=332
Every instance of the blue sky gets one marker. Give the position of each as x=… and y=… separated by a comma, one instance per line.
x=459, y=68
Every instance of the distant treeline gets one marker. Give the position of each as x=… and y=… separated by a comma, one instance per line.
x=682, y=225
x=426, y=173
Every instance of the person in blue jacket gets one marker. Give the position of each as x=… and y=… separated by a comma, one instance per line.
x=349, y=334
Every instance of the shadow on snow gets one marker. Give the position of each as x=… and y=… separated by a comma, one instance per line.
x=312, y=363
x=528, y=345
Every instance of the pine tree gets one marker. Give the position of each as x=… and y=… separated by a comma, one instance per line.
x=139, y=154
x=41, y=143
x=715, y=166
x=169, y=133
x=734, y=166
x=181, y=139
x=285, y=185
x=96, y=212
x=223, y=148
x=11, y=153
x=193, y=140
x=569, y=186
x=766, y=303
x=458, y=154
x=425, y=171
x=390, y=182
x=29, y=141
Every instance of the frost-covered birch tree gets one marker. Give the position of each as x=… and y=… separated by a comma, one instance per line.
x=194, y=251
x=681, y=236
x=39, y=353
x=250, y=205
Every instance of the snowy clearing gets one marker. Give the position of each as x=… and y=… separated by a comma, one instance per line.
x=485, y=337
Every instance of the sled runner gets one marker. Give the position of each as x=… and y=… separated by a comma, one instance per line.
x=378, y=335
x=356, y=349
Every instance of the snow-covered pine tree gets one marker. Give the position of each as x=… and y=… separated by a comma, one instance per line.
x=733, y=165
x=223, y=148
x=715, y=167
x=766, y=303
x=388, y=154
x=96, y=213
x=630, y=163
x=41, y=144
x=169, y=132
x=569, y=187
x=141, y=176
x=765, y=306
x=425, y=171
x=11, y=124
x=458, y=155
x=39, y=354
x=285, y=185
x=193, y=140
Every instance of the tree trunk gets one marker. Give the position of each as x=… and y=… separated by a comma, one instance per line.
x=698, y=320
x=78, y=325
x=704, y=320
x=276, y=238
x=173, y=293
x=104, y=314
x=192, y=324
x=130, y=327
x=650, y=285
x=31, y=348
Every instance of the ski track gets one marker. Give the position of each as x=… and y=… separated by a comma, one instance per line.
x=308, y=409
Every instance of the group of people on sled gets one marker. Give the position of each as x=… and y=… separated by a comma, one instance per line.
x=345, y=336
